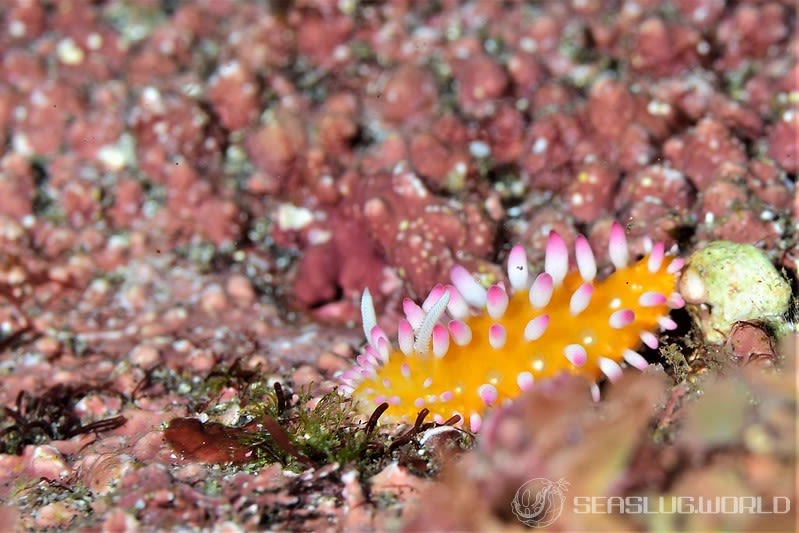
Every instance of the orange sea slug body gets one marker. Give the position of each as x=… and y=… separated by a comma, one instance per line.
x=497, y=344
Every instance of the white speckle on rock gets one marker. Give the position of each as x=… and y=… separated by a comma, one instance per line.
x=152, y=101
x=22, y=145
x=94, y=41
x=68, y=52
x=17, y=28
x=112, y=157
x=479, y=149
x=291, y=217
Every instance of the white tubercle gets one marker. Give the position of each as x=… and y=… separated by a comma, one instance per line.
x=536, y=327
x=517, y=268
x=433, y=297
x=581, y=298
x=610, y=368
x=584, y=255
x=656, y=257
x=413, y=312
x=496, y=301
x=676, y=265
x=541, y=290
x=651, y=299
x=383, y=348
x=405, y=337
x=525, y=381
x=556, y=258
x=635, y=359
x=649, y=338
x=576, y=354
x=497, y=336
x=461, y=333
x=375, y=335
x=368, y=371
x=488, y=393
x=617, y=246
x=675, y=301
x=595, y=394
x=666, y=323
x=440, y=341
x=472, y=292
x=621, y=318
x=457, y=306
x=368, y=315
x=366, y=359
x=475, y=422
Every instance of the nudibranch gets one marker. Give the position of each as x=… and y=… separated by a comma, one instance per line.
x=497, y=343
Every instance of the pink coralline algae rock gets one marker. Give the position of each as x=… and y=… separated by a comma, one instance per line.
x=89, y=133
x=128, y=198
x=770, y=185
x=660, y=48
x=480, y=82
x=699, y=152
x=335, y=126
x=622, y=127
x=441, y=156
x=506, y=135
x=590, y=194
x=17, y=189
x=656, y=184
x=262, y=40
x=782, y=140
x=277, y=150
x=169, y=127
x=750, y=32
x=721, y=197
x=742, y=226
x=392, y=220
x=318, y=36
x=24, y=20
x=42, y=127
x=384, y=156
x=410, y=90
x=611, y=107
x=702, y=14
x=8, y=101
x=548, y=151
x=431, y=158
x=348, y=261
x=22, y=70
x=526, y=73
x=194, y=208
x=233, y=91
x=420, y=233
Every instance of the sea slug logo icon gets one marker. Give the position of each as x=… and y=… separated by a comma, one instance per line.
x=539, y=502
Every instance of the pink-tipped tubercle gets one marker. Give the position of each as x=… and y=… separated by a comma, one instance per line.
x=496, y=301
x=472, y=292
x=556, y=260
x=617, y=246
x=541, y=290
x=586, y=264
